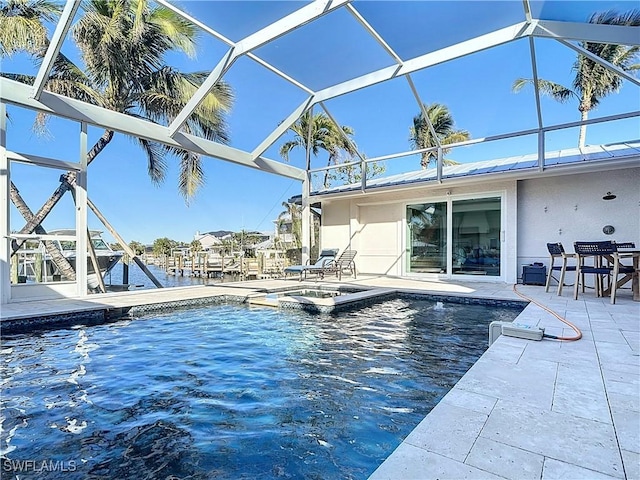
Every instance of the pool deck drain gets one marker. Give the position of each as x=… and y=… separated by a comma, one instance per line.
x=539, y=410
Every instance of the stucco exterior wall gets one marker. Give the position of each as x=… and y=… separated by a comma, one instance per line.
x=374, y=224
x=570, y=208
x=563, y=209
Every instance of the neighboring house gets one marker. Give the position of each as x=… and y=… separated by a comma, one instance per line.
x=486, y=219
x=207, y=240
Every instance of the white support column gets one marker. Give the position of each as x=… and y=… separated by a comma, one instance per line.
x=5, y=226
x=81, y=216
x=306, y=220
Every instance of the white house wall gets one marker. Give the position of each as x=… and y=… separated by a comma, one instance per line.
x=570, y=208
x=374, y=224
x=335, y=229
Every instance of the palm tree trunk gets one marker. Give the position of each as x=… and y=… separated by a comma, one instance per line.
x=66, y=181
x=331, y=160
x=34, y=221
x=584, y=114
x=56, y=256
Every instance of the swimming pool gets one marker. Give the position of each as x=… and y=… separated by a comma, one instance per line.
x=233, y=392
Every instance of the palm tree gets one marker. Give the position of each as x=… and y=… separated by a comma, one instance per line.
x=195, y=246
x=22, y=25
x=292, y=215
x=592, y=81
x=442, y=121
x=122, y=44
x=325, y=135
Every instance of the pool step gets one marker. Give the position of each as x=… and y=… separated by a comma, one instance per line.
x=264, y=302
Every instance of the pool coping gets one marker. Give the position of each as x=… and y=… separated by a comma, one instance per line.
x=95, y=311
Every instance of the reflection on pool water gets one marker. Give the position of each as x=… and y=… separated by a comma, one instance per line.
x=233, y=392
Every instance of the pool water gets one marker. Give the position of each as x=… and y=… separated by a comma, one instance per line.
x=232, y=392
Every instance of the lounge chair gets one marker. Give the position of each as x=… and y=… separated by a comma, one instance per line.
x=344, y=263
x=327, y=256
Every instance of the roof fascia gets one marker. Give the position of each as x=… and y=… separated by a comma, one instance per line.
x=20, y=94
x=483, y=178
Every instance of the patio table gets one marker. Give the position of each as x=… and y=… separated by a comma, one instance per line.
x=634, y=255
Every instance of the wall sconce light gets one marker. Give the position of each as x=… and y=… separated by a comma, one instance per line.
x=609, y=196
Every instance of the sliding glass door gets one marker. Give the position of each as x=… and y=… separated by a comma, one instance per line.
x=470, y=227
x=476, y=236
x=427, y=235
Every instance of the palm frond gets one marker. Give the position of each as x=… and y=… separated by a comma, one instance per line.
x=181, y=32
x=421, y=136
x=156, y=162
x=191, y=176
x=166, y=92
x=287, y=147
x=22, y=25
x=558, y=92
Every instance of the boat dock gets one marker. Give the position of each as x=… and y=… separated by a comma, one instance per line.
x=202, y=265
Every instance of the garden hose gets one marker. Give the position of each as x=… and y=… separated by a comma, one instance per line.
x=578, y=335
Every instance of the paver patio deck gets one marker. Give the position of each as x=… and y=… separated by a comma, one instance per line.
x=544, y=410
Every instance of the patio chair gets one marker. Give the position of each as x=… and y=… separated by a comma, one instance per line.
x=556, y=250
x=621, y=269
x=597, y=251
x=327, y=256
x=344, y=263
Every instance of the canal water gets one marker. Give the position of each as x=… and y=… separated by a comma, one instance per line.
x=139, y=281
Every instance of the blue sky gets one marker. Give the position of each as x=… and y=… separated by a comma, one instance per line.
x=476, y=88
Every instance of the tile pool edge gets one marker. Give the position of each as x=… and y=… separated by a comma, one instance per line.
x=102, y=312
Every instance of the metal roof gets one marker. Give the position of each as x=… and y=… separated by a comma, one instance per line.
x=593, y=156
